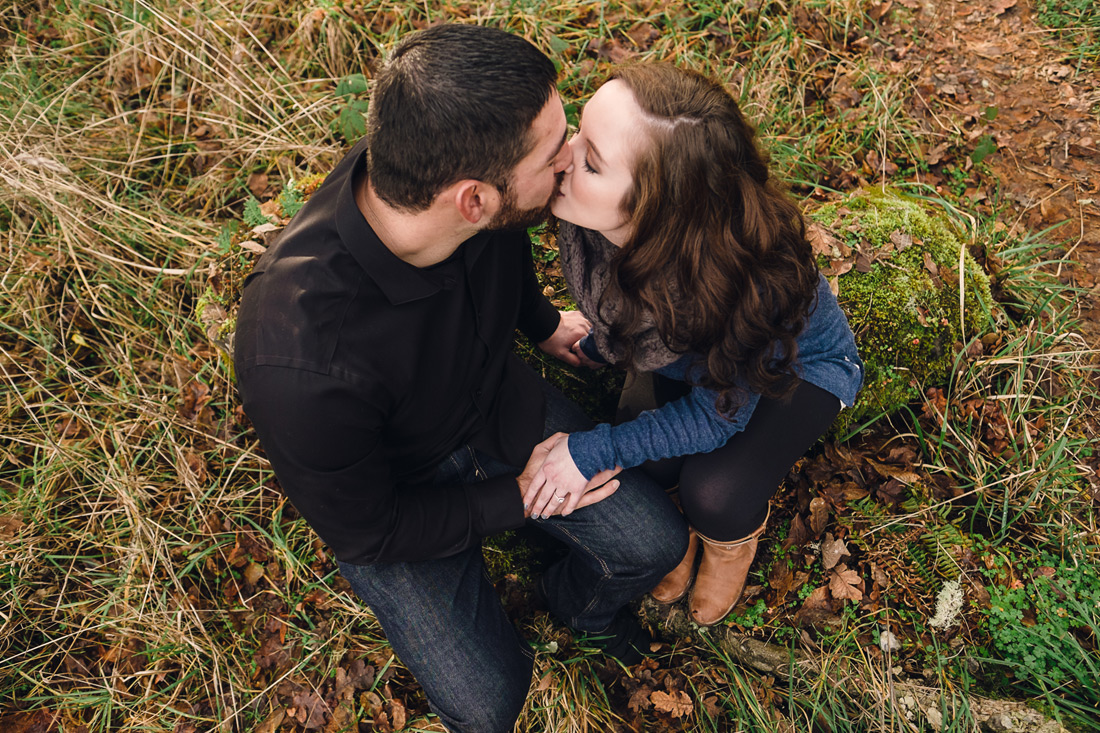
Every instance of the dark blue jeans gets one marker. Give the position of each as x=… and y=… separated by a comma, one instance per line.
x=446, y=623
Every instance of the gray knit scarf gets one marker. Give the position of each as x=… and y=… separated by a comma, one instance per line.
x=586, y=263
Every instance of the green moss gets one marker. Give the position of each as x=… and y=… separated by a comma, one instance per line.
x=904, y=308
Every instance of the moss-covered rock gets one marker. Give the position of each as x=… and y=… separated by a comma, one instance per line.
x=895, y=264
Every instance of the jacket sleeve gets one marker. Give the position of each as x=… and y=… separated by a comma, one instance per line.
x=691, y=424
x=538, y=318
x=325, y=443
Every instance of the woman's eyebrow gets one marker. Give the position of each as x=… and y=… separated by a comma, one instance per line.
x=595, y=150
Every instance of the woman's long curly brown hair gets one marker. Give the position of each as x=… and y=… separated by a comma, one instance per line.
x=717, y=253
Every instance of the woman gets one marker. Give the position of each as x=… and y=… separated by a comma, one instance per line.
x=695, y=269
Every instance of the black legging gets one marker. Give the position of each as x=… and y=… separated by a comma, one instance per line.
x=725, y=493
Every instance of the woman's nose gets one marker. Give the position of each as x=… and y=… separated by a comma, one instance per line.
x=570, y=155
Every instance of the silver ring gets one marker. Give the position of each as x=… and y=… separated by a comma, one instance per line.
x=561, y=499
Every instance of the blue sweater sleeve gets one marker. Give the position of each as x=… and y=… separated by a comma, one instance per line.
x=691, y=424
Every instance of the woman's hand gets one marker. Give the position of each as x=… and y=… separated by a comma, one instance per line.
x=558, y=487
x=583, y=357
x=572, y=327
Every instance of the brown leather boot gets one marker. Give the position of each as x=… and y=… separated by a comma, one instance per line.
x=722, y=575
x=674, y=585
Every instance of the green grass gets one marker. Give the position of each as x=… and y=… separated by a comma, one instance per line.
x=154, y=579
x=1077, y=23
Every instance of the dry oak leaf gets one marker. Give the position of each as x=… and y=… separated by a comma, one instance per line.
x=844, y=584
x=678, y=705
x=343, y=719
x=711, y=704
x=398, y=715
x=310, y=710
x=639, y=701
x=823, y=242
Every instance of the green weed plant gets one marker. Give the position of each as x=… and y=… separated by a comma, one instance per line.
x=1046, y=628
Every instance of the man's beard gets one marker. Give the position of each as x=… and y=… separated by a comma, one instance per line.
x=511, y=217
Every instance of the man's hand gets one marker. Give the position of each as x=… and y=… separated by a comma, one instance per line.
x=558, y=487
x=534, y=463
x=572, y=327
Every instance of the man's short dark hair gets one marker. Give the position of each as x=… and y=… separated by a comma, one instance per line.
x=454, y=102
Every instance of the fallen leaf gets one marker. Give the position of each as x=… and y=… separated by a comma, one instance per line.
x=844, y=584
x=891, y=492
x=901, y=240
x=798, y=535
x=677, y=706
x=310, y=709
x=987, y=50
x=824, y=243
x=816, y=608
x=343, y=719
x=398, y=714
x=640, y=701
x=360, y=674
x=9, y=526
x=272, y=722
x=71, y=428
x=1000, y=6
x=819, y=515
x=935, y=155
x=863, y=263
x=257, y=184
x=781, y=579
x=710, y=702
x=614, y=51
x=929, y=265
x=34, y=721
x=886, y=470
x=271, y=653
x=254, y=573
x=832, y=550
x=878, y=576
x=643, y=35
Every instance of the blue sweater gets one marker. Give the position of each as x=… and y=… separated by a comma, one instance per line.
x=827, y=358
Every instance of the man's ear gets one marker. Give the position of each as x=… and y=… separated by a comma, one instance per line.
x=475, y=200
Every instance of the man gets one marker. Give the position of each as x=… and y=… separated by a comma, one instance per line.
x=374, y=358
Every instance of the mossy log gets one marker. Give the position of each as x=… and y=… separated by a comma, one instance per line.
x=910, y=699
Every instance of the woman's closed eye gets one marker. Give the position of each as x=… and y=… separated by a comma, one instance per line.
x=588, y=167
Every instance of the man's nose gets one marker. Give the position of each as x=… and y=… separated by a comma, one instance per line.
x=564, y=160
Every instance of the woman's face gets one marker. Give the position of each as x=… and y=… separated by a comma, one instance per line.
x=600, y=175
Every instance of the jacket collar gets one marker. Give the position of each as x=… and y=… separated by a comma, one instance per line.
x=398, y=280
